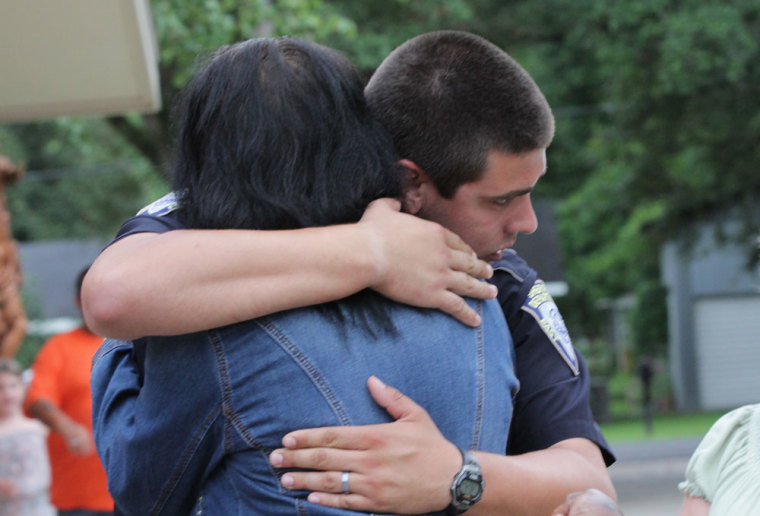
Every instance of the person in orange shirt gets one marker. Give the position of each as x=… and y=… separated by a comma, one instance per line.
x=59, y=396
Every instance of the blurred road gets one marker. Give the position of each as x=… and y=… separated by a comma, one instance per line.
x=647, y=473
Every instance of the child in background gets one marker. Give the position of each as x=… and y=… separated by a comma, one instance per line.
x=24, y=465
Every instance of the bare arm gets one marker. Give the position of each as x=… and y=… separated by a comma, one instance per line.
x=191, y=280
x=408, y=466
x=78, y=438
x=694, y=506
x=535, y=482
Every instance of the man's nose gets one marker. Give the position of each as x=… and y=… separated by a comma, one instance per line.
x=525, y=220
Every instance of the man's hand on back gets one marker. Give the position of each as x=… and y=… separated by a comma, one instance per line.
x=403, y=467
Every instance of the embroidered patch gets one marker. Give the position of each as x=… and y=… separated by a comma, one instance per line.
x=542, y=307
x=166, y=204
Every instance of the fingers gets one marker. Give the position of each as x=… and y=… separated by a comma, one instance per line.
x=324, y=459
x=454, y=241
x=466, y=261
x=455, y=306
x=462, y=312
x=327, y=489
x=322, y=481
x=394, y=401
x=342, y=437
x=352, y=501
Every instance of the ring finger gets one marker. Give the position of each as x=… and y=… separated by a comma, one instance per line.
x=322, y=481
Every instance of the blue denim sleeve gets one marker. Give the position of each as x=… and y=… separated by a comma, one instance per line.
x=154, y=460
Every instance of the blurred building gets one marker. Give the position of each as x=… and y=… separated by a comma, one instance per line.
x=542, y=250
x=78, y=57
x=49, y=270
x=713, y=316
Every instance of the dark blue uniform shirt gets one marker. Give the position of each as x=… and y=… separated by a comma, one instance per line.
x=553, y=401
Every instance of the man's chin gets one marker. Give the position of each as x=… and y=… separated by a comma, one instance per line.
x=496, y=256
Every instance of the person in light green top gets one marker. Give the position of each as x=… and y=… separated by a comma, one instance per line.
x=723, y=474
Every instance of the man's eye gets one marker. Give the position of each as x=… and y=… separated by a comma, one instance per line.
x=502, y=202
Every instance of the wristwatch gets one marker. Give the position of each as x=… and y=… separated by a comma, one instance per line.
x=468, y=485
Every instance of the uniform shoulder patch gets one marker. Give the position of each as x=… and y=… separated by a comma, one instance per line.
x=166, y=204
x=542, y=307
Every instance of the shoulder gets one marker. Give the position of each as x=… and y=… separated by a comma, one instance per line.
x=158, y=217
x=53, y=345
x=728, y=454
x=62, y=339
x=514, y=279
x=512, y=268
x=54, y=351
x=530, y=310
x=165, y=205
x=514, y=264
x=731, y=434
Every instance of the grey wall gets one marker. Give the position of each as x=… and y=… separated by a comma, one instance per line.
x=50, y=269
x=709, y=270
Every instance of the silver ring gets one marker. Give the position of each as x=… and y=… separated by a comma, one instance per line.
x=344, y=482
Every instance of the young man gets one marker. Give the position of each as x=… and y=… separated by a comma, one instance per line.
x=474, y=142
x=474, y=128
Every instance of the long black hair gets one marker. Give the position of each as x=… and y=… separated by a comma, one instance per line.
x=276, y=134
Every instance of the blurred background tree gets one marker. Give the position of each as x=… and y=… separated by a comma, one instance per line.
x=658, y=119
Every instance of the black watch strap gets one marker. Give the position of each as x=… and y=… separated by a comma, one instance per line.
x=468, y=485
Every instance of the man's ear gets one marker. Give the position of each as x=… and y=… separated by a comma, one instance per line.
x=414, y=179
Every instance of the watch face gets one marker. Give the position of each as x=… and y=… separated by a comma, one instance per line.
x=469, y=488
x=468, y=485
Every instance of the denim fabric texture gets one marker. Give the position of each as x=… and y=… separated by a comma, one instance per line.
x=189, y=427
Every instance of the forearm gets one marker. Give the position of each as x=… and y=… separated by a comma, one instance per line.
x=534, y=483
x=185, y=281
x=146, y=284
x=53, y=417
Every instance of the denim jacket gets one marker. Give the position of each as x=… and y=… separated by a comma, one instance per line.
x=187, y=423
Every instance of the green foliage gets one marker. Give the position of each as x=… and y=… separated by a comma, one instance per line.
x=671, y=142
x=625, y=396
x=599, y=356
x=187, y=30
x=656, y=101
x=626, y=393
x=649, y=319
x=82, y=179
x=381, y=25
x=29, y=349
x=80, y=202
x=668, y=426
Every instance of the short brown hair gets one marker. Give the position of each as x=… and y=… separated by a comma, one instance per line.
x=448, y=98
